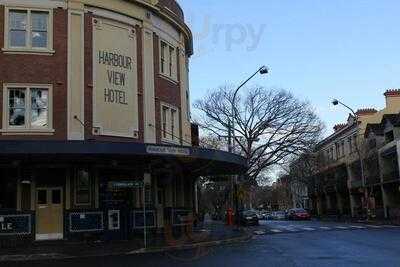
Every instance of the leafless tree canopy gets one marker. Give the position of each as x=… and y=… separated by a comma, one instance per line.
x=270, y=125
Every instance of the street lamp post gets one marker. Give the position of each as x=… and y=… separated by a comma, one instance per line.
x=336, y=102
x=231, y=132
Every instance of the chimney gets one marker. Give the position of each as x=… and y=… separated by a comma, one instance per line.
x=392, y=97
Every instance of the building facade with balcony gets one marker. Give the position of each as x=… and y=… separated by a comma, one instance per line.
x=383, y=140
x=337, y=188
x=95, y=135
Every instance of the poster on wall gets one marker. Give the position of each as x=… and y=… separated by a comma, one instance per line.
x=115, y=103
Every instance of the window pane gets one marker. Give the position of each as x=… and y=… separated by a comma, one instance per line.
x=39, y=21
x=56, y=196
x=16, y=107
x=83, y=179
x=17, y=28
x=164, y=121
x=18, y=20
x=39, y=107
x=173, y=123
x=42, y=197
x=17, y=38
x=17, y=117
x=8, y=190
x=39, y=28
x=39, y=39
x=17, y=98
x=82, y=193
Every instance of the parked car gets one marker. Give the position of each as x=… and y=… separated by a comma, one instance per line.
x=265, y=215
x=249, y=217
x=298, y=214
x=279, y=215
x=259, y=215
x=268, y=216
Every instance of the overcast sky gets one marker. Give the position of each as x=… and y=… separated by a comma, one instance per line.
x=318, y=49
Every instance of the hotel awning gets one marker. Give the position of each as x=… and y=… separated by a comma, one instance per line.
x=198, y=161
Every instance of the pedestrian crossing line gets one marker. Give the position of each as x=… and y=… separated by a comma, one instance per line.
x=374, y=226
x=308, y=229
x=276, y=231
x=342, y=227
x=325, y=228
x=390, y=226
x=357, y=227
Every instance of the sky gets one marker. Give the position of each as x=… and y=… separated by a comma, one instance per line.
x=317, y=49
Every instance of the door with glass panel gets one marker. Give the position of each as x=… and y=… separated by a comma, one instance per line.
x=49, y=213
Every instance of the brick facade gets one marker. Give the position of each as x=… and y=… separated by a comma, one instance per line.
x=52, y=69
x=166, y=91
x=40, y=69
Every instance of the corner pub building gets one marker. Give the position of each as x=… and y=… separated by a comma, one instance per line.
x=95, y=120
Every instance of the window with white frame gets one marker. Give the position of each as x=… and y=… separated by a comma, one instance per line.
x=170, y=131
x=168, y=60
x=27, y=107
x=28, y=29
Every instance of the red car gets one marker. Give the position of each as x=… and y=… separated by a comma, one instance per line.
x=298, y=214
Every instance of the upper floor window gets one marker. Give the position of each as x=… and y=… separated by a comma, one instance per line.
x=28, y=30
x=27, y=108
x=170, y=130
x=168, y=60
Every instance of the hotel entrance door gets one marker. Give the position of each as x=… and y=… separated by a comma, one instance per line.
x=49, y=213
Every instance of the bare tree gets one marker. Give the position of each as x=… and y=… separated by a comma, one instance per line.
x=270, y=125
x=299, y=173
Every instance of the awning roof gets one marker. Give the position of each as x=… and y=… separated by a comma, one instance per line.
x=198, y=161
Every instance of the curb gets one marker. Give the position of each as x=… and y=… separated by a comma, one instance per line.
x=57, y=256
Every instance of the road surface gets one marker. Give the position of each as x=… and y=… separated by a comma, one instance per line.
x=276, y=243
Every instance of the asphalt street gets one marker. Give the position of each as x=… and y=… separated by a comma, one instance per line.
x=276, y=243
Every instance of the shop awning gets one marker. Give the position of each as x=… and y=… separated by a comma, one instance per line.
x=199, y=161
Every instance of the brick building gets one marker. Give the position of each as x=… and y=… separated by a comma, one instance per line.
x=96, y=119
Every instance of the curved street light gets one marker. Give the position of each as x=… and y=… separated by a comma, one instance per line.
x=231, y=131
x=336, y=102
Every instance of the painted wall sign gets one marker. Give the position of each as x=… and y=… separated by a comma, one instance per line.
x=15, y=224
x=164, y=150
x=86, y=222
x=115, y=101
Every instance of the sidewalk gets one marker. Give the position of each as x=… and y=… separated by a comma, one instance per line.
x=208, y=234
x=358, y=220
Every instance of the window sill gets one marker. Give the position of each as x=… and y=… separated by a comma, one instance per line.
x=27, y=132
x=166, y=77
x=27, y=51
